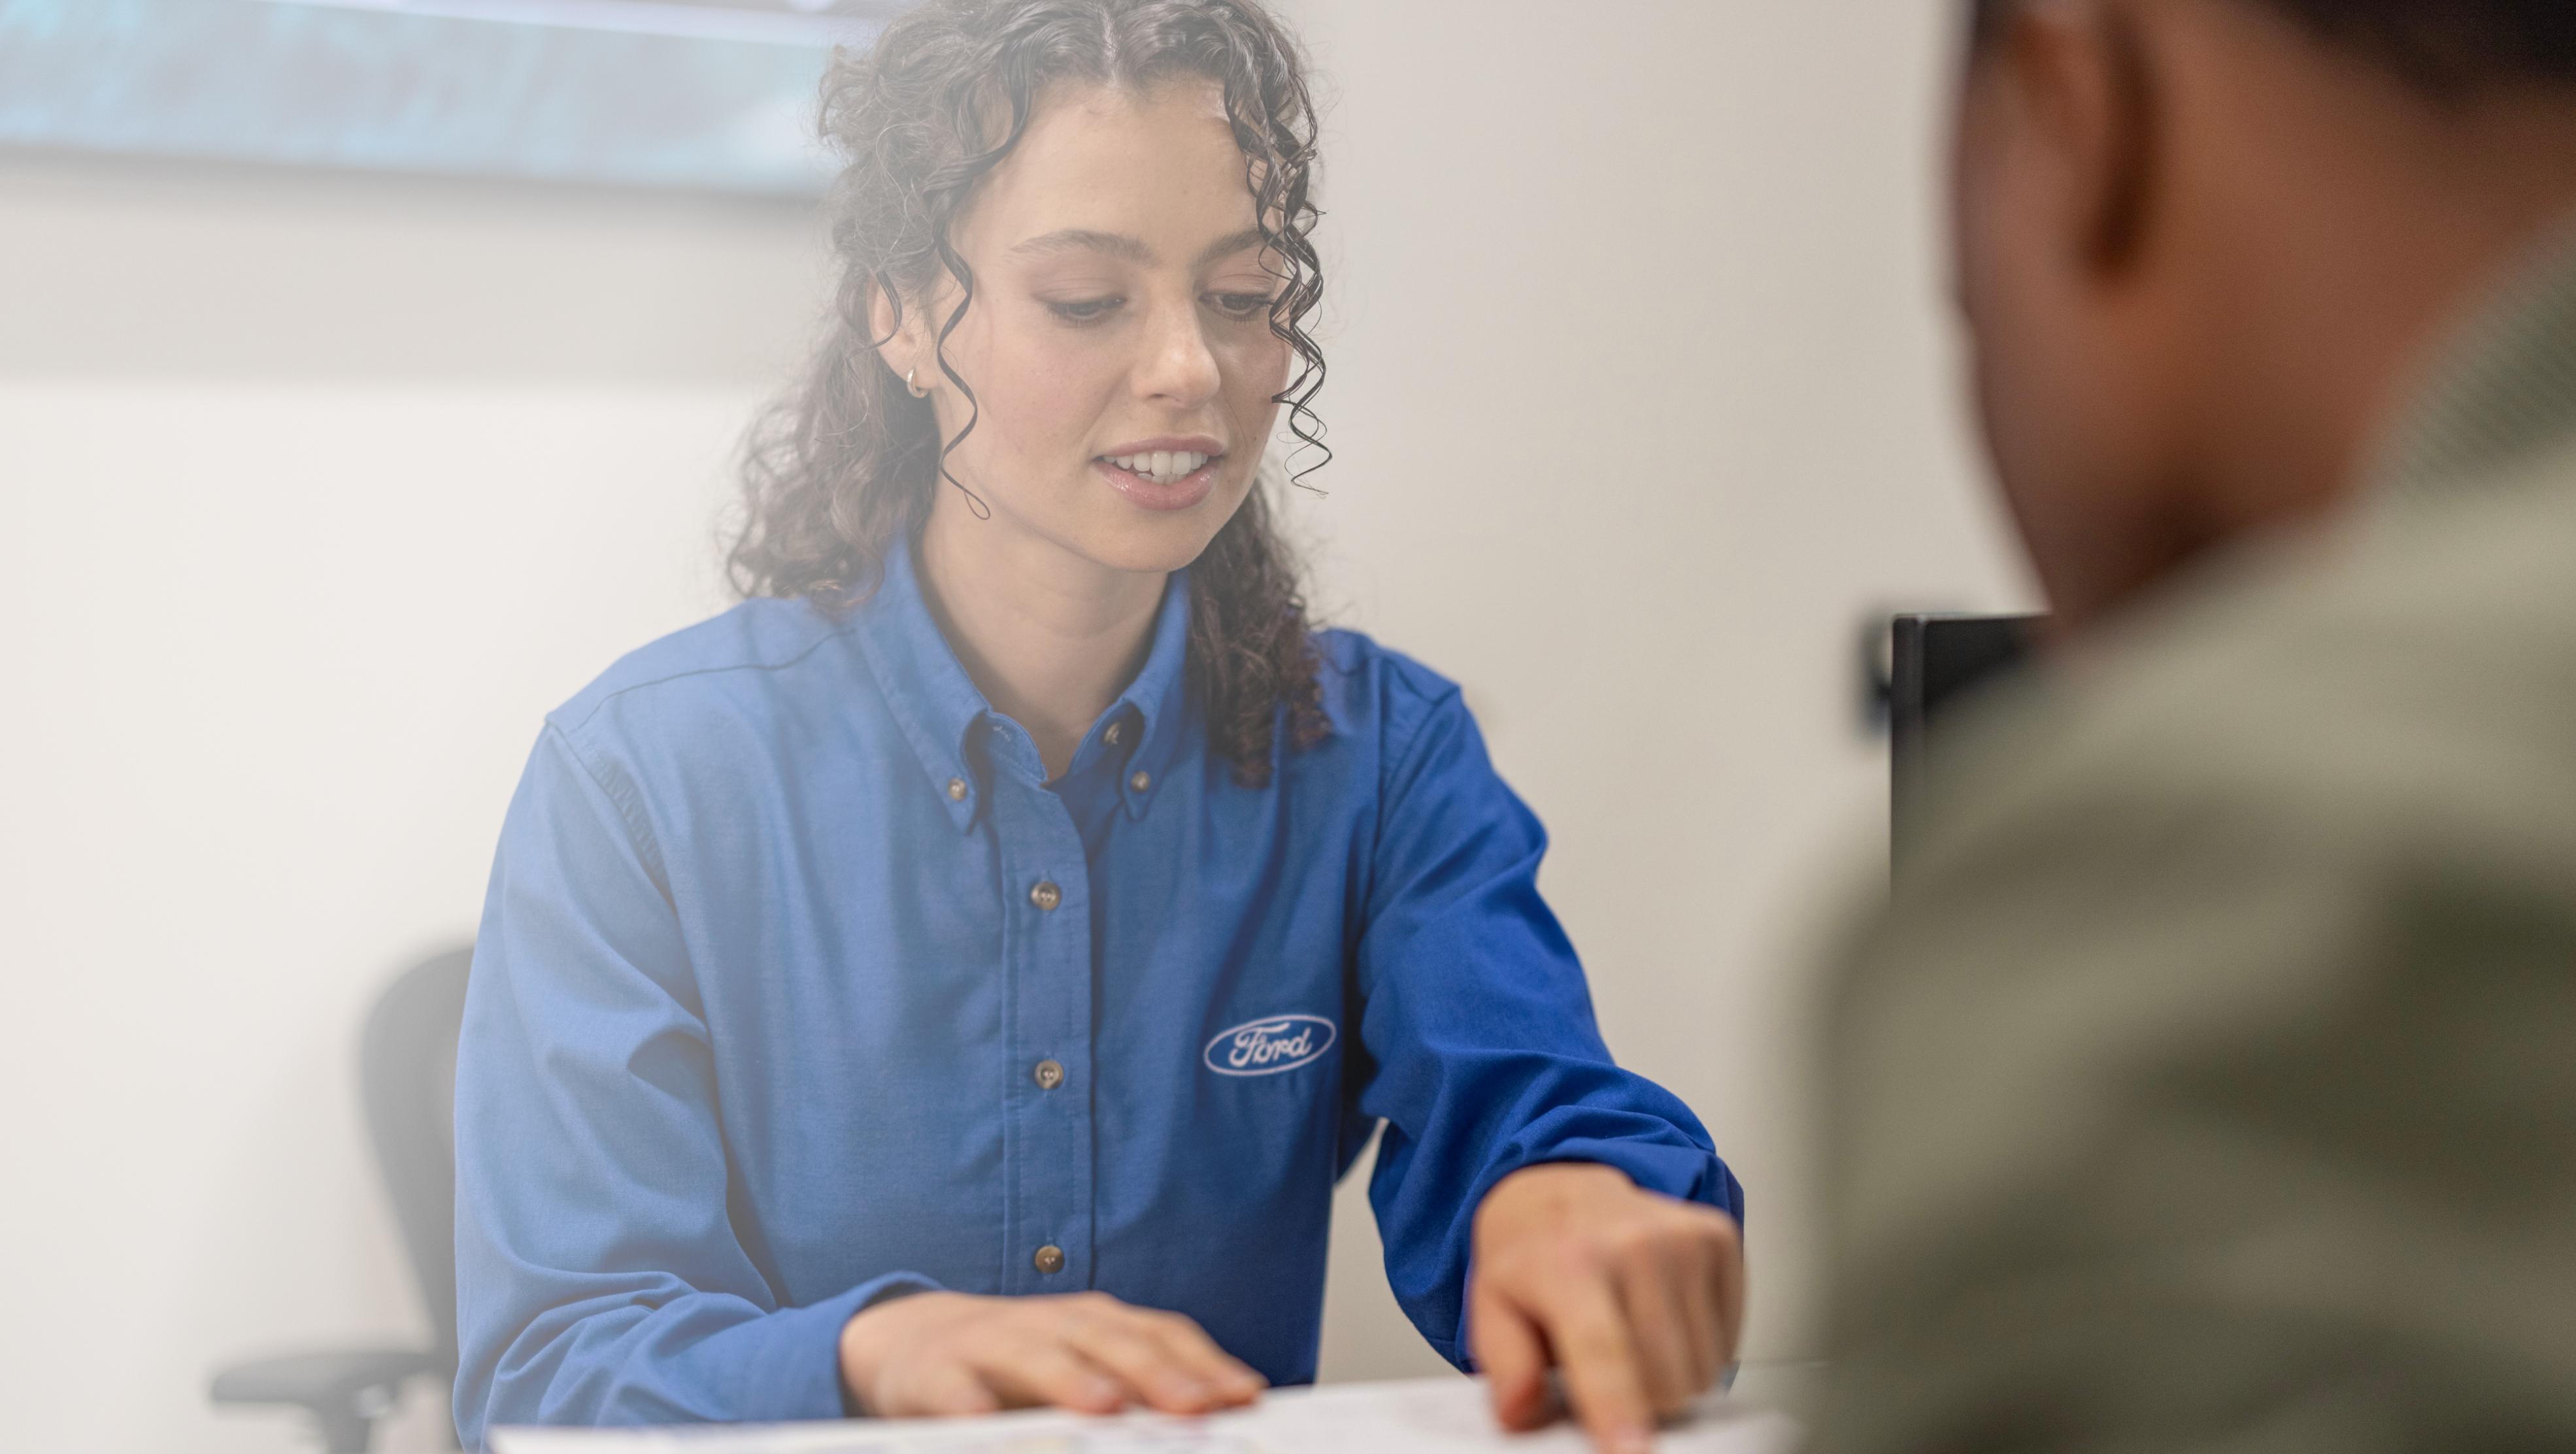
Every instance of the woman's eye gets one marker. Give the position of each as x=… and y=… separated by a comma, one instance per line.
x=1089, y=310
x=1241, y=306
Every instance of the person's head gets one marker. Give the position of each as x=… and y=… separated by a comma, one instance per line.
x=1073, y=241
x=2204, y=246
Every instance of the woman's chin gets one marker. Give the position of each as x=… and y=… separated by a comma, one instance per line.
x=1149, y=544
x=1147, y=552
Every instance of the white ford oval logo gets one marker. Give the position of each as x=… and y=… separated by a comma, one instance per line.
x=1267, y=1047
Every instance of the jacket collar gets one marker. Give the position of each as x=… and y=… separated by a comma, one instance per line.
x=2506, y=390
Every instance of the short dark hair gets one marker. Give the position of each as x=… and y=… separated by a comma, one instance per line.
x=2448, y=45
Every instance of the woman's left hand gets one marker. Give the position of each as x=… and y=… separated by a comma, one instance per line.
x=1636, y=1297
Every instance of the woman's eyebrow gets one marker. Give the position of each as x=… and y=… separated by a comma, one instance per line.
x=1129, y=249
x=1072, y=238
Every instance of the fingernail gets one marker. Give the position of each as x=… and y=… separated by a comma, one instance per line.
x=1633, y=1439
x=1101, y=1390
x=1186, y=1390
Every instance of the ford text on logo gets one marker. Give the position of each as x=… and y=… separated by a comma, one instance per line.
x=1267, y=1047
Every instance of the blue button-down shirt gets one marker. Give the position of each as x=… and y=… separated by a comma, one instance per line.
x=799, y=985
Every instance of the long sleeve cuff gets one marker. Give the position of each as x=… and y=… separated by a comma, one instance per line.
x=798, y=1372
x=1683, y=1172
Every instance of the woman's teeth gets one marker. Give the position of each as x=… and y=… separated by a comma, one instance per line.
x=1162, y=466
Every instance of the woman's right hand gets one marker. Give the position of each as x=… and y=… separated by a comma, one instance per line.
x=953, y=1353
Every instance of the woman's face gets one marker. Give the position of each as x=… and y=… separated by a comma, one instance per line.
x=1119, y=343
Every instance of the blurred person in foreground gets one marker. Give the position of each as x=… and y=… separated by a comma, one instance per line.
x=955, y=977
x=2210, y=1080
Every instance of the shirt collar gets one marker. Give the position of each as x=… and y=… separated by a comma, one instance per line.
x=2505, y=392
x=961, y=740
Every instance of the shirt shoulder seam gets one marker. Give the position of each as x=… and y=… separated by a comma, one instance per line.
x=1430, y=700
x=818, y=644
x=619, y=789
x=1404, y=760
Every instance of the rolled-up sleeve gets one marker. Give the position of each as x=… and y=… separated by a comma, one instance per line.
x=599, y=1280
x=1485, y=1055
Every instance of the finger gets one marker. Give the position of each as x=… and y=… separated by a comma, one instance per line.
x=1729, y=1285
x=1695, y=1289
x=1132, y=1349
x=1589, y=1331
x=1038, y=1367
x=1650, y=1292
x=1511, y=1353
x=1230, y=1380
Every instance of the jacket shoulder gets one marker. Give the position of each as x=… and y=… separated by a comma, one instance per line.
x=2404, y=678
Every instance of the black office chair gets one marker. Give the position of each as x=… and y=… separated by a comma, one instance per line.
x=407, y=1075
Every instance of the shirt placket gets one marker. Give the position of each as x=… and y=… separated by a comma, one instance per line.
x=1046, y=909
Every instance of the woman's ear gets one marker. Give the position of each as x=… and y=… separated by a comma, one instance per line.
x=896, y=328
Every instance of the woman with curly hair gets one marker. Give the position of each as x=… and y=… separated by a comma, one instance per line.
x=955, y=977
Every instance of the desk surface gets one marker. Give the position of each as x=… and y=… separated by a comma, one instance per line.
x=1422, y=1416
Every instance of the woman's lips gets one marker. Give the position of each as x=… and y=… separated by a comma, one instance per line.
x=1150, y=493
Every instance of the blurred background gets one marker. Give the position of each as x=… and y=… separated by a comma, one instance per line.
x=369, y=378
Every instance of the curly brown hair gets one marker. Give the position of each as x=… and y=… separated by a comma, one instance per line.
x=849, y=458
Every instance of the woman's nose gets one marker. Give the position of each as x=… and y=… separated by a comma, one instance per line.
x=1178, y=364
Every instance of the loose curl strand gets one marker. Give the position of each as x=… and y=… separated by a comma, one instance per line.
x=849, y=461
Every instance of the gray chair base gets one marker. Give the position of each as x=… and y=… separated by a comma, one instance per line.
x=346, y=1391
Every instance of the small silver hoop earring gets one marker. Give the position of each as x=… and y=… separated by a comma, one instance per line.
x=918, y=391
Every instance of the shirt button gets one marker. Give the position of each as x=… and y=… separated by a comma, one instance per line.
x=957, y=789
x=1050, y=1259
x=1141, y=781
x=1116, y=731
x=1049, y=1075
x=1046, y=896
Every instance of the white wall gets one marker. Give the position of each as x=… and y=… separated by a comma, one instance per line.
x=315, y=494
x=316, y=491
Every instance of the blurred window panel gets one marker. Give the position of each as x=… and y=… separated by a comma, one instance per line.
x=706, y=94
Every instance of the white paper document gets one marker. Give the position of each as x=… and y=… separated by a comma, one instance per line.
x=1422, y=1416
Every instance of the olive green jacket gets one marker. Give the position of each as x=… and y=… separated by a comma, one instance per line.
x=2209, y=1080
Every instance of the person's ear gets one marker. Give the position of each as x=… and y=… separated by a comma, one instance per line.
x=2077, y=81
x=895, y=324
